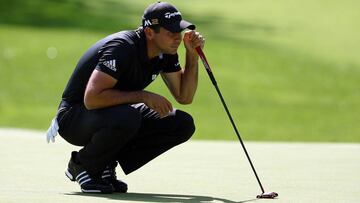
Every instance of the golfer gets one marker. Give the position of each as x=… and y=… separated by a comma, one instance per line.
x=105, y=109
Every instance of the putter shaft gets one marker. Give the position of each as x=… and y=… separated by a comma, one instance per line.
x=208, y=70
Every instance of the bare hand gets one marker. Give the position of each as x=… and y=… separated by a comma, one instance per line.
x=158, y=103
x=193, y=39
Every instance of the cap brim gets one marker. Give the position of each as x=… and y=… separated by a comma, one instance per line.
x=179, y=26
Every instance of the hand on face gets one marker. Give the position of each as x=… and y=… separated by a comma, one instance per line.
x=193, y=39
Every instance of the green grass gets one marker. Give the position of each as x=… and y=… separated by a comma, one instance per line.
x=182, y=174
x=289, y=71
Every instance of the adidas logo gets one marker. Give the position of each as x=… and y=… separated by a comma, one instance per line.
x=110, y=64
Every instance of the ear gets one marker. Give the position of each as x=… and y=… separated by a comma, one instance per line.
x=149, y=33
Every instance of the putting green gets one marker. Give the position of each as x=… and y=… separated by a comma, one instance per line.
x=197, y=171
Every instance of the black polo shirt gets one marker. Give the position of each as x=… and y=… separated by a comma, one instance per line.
x=123, y=56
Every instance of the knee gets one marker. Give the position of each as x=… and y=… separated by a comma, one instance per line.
x=186, y=127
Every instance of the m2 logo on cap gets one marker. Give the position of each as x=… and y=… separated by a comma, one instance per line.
x=154, y=21
x=170, y=15
x=147, y=23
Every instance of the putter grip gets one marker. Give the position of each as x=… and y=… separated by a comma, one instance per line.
x=206, y=65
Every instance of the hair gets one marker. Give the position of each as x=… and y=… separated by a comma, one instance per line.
x=156, y=28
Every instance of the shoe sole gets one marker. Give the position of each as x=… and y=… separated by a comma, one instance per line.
x=93, y=191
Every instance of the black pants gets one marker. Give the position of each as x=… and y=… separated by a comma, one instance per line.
x=133, y=135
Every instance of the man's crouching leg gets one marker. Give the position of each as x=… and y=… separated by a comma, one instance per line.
x=107, y=130
x=156, y=136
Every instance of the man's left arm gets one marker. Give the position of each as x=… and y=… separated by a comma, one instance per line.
x=182, y=84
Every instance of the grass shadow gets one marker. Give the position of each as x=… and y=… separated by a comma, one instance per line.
x=105, y=15
x=110, y=16
x=151, y=197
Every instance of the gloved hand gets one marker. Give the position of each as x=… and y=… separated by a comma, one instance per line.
x=52, y=131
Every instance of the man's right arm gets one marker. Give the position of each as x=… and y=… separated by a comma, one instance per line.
x=100, y=93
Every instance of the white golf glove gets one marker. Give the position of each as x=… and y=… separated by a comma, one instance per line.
x=52, y=131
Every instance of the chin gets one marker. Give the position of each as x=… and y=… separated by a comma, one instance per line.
x=170, y=51
x=173, y=51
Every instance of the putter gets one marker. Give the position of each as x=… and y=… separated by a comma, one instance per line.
x=267, y=195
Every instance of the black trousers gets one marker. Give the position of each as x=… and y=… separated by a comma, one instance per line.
x=133, y=135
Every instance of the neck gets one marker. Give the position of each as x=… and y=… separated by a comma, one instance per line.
x=152, y=50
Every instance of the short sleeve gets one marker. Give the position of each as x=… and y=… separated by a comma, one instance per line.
x=172, y=63
x=115, y=56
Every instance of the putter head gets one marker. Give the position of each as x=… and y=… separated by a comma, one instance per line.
x=267, y=195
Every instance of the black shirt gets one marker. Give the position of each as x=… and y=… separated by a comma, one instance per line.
x=123, y=56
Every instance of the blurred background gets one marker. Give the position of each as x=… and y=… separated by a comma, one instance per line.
x=289, y=70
